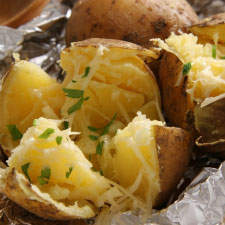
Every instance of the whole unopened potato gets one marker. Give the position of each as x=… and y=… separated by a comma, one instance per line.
x=130, y=20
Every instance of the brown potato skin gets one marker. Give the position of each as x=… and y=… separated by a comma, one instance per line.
x=130, y=20
x=174, y=151
x=175, y=100
x=19, y=190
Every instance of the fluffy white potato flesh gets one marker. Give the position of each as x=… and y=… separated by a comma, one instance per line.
x=70, y=178
x=206, y=78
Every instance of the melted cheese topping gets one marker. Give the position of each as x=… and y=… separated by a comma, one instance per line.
x=206, y=78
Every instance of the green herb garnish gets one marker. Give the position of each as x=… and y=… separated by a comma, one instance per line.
x=42, y=181
x=58, y=140
x=35, y=122
x=104, y=129
x=46, y=133
x=89, y=157
x=99, y=148
x=46, y=173
x=77, y=105
x=222, y=57
x=25, y=168
x=15, y=133
x=186, y=68
x=45, y=176
x=214, y=51
x=93, y=138
x=66, y=125
x=86, y=72
x=69, y=172
x=94, y=129
x=107, y=126
x=74, y=81
x=73, y=93
x=101, y=172
x=93, y=169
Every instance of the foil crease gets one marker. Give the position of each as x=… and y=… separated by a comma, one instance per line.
x=41, y=41
x=203, y=202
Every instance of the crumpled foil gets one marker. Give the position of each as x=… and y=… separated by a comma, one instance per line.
x=203, y=202
x=198, y=199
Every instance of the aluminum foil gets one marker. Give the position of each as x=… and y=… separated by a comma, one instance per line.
x=41, y=41
x=203, y=202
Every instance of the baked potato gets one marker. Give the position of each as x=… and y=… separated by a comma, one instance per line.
x=49, y=176
x=129, y=20
x=78, y=160
x=192, y=81
x=113, y=75
x=26, y=93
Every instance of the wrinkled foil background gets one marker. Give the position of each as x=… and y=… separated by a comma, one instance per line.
x=200, y=196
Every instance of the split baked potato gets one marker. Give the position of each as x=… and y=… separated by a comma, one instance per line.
x=116, y=82
x=74, y=155
x=27, y=92
x=192, y=81
x=129, y=20
x=49, y=176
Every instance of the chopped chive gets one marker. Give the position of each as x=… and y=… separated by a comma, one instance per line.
x=101, y=172
x=86, y=72
x=69, y=172
x=25, y=168
x=58, y=140
x=77, y=105
x=186, y=68
x=74, y=81
x=35, y=122
x=73, y=93
x=93, y=138
x=222, y=57
x=66, y=125
x=214, y=51
x=15, y=133
x=106, y=128
x=93, y=169
x=99, y=148
x=94, y=129
x=46, y=133
x=42, y=181
x=46, y=173
x=89, y=157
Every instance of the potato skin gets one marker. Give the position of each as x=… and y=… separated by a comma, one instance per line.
x=17, y=188
x=130, y=20
x=175, y=100
x=174, y=151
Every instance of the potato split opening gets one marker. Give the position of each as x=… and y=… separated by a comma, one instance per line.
x=118, y=82
x=206, y=78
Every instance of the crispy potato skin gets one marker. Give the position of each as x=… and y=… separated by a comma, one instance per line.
x=131, y=20
x=174, y=97
x=174, y=150
x=19, y=190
